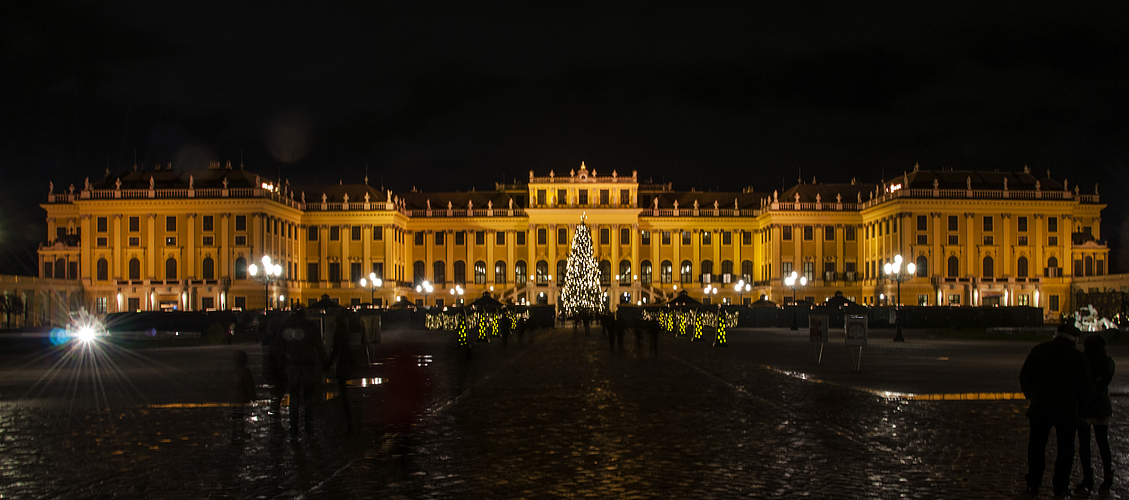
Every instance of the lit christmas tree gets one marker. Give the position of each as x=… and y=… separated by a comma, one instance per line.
x=581, y=291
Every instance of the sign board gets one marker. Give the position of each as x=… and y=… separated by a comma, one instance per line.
x=817, y=325
x=855, y=326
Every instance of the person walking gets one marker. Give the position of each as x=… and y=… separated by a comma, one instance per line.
x=240, y=394
x=1096, y=414
x=344, y=364
x=1056, y=379
x=305, y=355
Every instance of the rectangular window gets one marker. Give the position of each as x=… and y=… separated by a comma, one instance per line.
x=954, y=223
x=1088, y=230
x=240, y=240
x=849, y=233
x=786, y=233
x=1052, y=241
x=134, y=241
x=540, y=197
x=1100, y=269
x=707, y=238
x=829, y=233
x=240, y=303
x=500, y=238
x=562, y=236
x=542, y=236
x=312, y=233
x=1052, y=224
x=809, y=233
x=1022, y=241
x=988, y=239
x=170, y=241
x=605, y=197
x=922, y=239
x=377, y=233
x=624, y=197
x=686, y=238
x=726, y=238
x=922, y=223
x=1023, y=300
x=562, y=197
x=480, y=237
x=440, y=237
x=624, y=236
x=1054, y=303
x=208, y=223
x=520, y=237
x=102, y=224
x=355, y=233
x=746, y=238
x=666, y=237
x=334, y=271
x=1021, y=224
x=604, y=236
x=582, y=195
x=460, y=237
x=645, y=237
x=355, y=271
x=419, y=236
x=170, y=223
x=954, y=239
x=312, y=271
x=134, y=224
x=787, y=268
x=103, y=241
x=208, y=241
x=378, y=270
x=988, y=223
x=240, y=222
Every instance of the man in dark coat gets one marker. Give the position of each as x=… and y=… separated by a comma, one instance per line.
x=1056, y=379
x=305, y=358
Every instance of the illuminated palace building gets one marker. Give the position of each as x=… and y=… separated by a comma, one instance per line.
x=171, y=239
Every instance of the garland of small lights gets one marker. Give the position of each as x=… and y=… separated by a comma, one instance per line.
x=513, y=319
x=481, y=320
x=581, y=292
x=721, y=322
x=461, y=331
x=697, y=319
x=681, y=324
x=494, y=325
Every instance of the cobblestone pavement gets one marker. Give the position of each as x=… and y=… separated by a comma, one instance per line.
x=557, y=415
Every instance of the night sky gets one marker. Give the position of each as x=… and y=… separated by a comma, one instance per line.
x=467, y=94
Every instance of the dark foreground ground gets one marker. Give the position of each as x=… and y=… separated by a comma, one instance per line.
x=559, y=414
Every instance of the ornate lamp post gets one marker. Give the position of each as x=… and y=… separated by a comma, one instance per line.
x=795, y=281
x=895, y=272
x=425, y=288
x=458, y=293
x=270, y=273
x=372, y=283
x=741, y=287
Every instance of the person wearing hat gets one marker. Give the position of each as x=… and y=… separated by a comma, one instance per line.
x=1056, y=379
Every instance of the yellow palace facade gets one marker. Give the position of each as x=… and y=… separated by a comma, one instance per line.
x=169, y=239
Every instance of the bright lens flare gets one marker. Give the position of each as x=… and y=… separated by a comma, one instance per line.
x=86, y=334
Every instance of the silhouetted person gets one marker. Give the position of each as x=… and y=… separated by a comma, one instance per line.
x=1096, y=413
x=653, y=328
x=618, y=329
x=504, y=325
x=608, y=324
x=586, y=319
x=1056, y=379
x=344, y=365
x=305, y=355
x=274, y=365
x=240, y=393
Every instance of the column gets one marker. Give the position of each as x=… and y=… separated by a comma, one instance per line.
x=840, y=249
x=797, y=250
x=1038, y=263
x=552, y=243
x=224, y=250
x=257, y=224
x=818, y=229
x=613, y=299
x=366, y=249
x=511, y=261
x=490, y=241
x=636, y=268
x=970, y=256
x=346, y=241
x=449, y=247
x=938, y=257
x=189, y=256
x=531, y=266
x=429, y=255
x=86, y=258
x=390, y=277
x=323, y=252
x=151, y=249
x=676, y=264
x=119, y=242
x=1005, y=250
x=776, y=266
x=716, y=239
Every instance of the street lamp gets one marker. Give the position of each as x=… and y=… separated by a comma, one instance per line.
x=741, y=287
x=270, y=273
x=458, y=293
x=425, y=288
x=372, y=283
x=795, y=281
x=895, y=272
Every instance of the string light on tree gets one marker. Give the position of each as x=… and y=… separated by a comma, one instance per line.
x=581, y=292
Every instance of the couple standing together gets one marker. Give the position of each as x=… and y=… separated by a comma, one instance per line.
x=1069, y=391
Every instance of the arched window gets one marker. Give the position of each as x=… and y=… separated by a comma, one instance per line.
x=562, y=268
x=542, y=270
x=60, y=268
x=727, y=271
x=625, y=272
x=170, y=269
x=989, y=267
x=460, y=272
x=747, y=271
x=519, y=273
x=1088, y=265
x=419, y=272
x=439, y=273
x=241, y=268
x=1021, y=267
x=1052, y=262
x=605, y=272
x=208, y=269
x=1052, y=268
x=480, y=273
x=707, y=271
x=687, y=270
x=666, y=272
x=103, y=269
x=954, y=266
x=134, y=269
x=645, y=272
x=922, y=266
x=500, y=272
